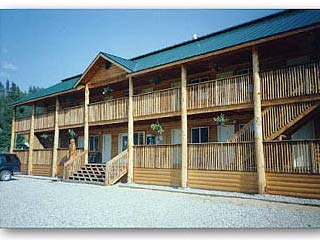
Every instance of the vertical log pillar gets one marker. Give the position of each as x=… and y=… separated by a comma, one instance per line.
x=12, y=140
x=130, y=132
x=258, y=136
x=184, y=128
x=56, y=139
x=31, y=141
x=86, y=124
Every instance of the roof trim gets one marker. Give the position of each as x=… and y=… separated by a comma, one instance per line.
x=228, y=49
x=100, y=54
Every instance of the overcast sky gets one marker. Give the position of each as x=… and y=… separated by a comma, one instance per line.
x=41, y=47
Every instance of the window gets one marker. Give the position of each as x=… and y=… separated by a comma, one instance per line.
x=225, y=74
x=138, y=138
x=147, y=90
x=93, y=143
x=199, y=80
x=200, y=135
x=11, y=159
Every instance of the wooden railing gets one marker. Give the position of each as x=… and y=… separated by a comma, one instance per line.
x=71, y=116
x=222, y=156
x=22, y=124
x=292, y=156
x=42, y=156
x=116, y=168
x=44, y=121
x=275, y=120
x=220, y=92
x=157, y=156
x=292, y=81
x=73, y=165
x=108, y=110
x=163, y=101
x=22, y=155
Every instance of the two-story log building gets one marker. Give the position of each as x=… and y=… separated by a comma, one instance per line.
x=263, y=76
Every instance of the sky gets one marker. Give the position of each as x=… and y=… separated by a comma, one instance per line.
x=42, y=47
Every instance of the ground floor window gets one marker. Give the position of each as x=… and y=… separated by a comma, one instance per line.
x=200, y=135
x=94, y=143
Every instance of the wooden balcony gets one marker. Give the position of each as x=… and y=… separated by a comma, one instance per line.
x=290, y=83
x=164, y=102
x=71, y=116
x=220, y=92
x=101, y=112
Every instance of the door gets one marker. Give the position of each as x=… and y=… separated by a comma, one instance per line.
x=225, y=132
x=176, y=139
x=106, y=148
x=302, y=151
x=228, y=152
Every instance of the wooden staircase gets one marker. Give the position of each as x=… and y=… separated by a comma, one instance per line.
x=275, y=121
x=102, y=174
x=90, y=173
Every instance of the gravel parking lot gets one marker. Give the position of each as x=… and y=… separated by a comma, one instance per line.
x=34, y=203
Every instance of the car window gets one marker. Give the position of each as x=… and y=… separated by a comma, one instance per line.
x=11, y=159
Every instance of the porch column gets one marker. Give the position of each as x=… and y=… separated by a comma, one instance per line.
x=86, y=123
x=31, y=140
x=56, y=139
x=258, y=136
x=12, y=130
x=184, y=128
x=130, y=132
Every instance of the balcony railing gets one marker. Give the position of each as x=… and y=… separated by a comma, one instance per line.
x=71, y=116
x=108, y=110
x=22, y=124
x=222, y=156
x=44, y=121
x=220, y=92
x=158, y=102
x=294, y=81
x=157, y=156
x=292, y=156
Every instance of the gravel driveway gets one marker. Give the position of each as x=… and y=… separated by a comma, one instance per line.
x=26, y=202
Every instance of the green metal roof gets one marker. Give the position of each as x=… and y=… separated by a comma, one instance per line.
x=64, y=85
x=271, y=25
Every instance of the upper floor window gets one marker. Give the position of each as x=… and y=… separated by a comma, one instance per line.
x=200, y=80
x=224, y=74
x=200, y=135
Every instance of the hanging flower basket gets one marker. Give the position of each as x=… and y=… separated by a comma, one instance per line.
x=220, y=120
x=156, y=127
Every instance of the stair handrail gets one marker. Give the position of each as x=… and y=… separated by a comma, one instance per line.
x=73, y=164
x=116, y=168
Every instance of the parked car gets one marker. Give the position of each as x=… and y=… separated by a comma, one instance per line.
x=9, y=165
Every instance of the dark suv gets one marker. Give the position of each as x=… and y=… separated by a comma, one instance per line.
x=9, y=165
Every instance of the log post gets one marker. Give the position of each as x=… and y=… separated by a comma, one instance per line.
x=12, y=140
x=184, y=128
x=56, y=139
x=130, y=132
x=31, y=141
x=86, y=124
x=258, y=136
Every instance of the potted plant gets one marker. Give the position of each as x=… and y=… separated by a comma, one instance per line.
x=157, y=127
x=220, y=119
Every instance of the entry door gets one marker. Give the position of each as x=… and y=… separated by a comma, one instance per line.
x=123, y=142
x=225, y=132
x=106, y=149
x=176, y=139
x=302, y=152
